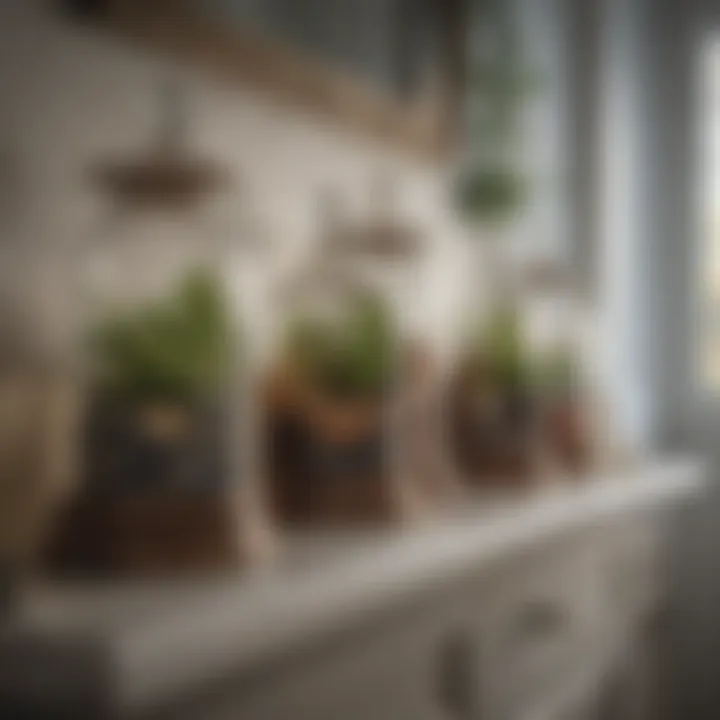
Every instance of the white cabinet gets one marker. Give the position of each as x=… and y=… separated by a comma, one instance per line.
x=532, y=639
x=544, y=626
x=543, y=610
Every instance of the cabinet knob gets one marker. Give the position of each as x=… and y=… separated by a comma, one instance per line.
x=539, y=619
x=458, y=676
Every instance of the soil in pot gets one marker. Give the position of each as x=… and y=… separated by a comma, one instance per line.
x=154, y=500
x=495, y=435
x=329, y=458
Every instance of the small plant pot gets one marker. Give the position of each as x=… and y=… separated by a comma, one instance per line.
x=331, y=461
x=154, y=498
x=566, y=434
x=495, y=437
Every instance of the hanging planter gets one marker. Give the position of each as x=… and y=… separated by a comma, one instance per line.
x=489, y=194
x=491, y=185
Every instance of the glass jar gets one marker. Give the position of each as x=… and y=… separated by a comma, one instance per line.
x=170, y=471
x=339, y=397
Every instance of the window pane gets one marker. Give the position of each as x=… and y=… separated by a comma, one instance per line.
x=709, y=260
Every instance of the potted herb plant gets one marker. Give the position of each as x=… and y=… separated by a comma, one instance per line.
x=495, y=431
x=564, y=419
x=333, y=409
x=157, y=402
x=155, y=456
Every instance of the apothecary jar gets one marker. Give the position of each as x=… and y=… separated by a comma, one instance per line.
x=170, y=478
x=345, y=397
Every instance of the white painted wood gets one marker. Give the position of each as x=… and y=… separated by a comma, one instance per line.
x=398, y=597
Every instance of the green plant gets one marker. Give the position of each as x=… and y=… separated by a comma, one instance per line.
x=500, y=353
x=174, y=349
x=499, y=80
x=500, y=75
x=506, y=349
x=556, y=373
x=490, y=194
x=357, y=357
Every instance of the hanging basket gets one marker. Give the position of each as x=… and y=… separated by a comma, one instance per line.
x=168, y=181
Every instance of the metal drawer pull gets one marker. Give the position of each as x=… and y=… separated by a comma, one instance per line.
x=458, y=677
x=540, y=619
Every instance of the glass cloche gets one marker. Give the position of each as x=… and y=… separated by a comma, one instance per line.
x=170, y=477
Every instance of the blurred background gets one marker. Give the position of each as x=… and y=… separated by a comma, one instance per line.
x=215, y=212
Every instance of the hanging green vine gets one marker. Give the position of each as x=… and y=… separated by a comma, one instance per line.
x=491, y=187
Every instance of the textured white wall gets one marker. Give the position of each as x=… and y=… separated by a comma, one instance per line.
x=71, y=97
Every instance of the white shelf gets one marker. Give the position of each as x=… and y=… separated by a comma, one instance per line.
x=145, y=641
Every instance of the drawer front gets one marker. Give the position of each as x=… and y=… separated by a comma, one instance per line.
x=547, y=618
x=635, y=569
x=485, y=648
x=420, y=662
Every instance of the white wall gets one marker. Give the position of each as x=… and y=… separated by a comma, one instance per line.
x=72, y=97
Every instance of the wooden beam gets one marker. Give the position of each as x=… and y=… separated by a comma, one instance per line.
x=291, y=76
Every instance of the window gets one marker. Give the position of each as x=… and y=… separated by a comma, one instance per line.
x=709, y=256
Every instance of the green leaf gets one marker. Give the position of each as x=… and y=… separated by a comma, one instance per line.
x=178, y=348
x=490, y=194
x=357, y=357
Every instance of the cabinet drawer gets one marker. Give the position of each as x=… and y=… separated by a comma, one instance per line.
x=634, y=567
x=420, y=662
x=489, y=647
x=548, y=616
